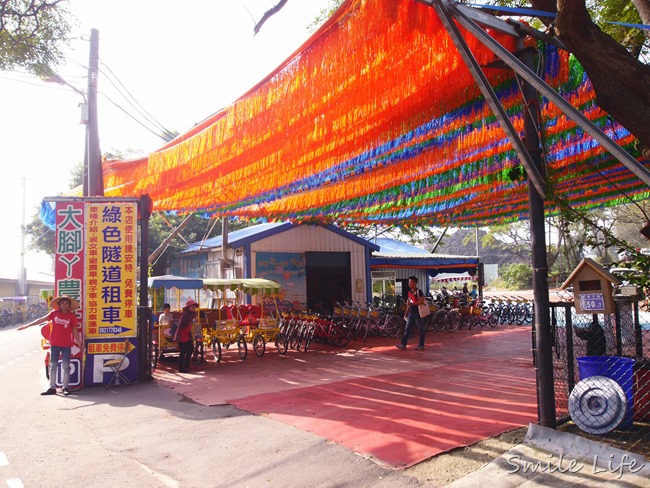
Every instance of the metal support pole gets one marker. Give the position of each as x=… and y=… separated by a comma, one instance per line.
x=144, y=313
x=543, y=336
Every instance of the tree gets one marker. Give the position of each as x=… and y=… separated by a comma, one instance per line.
x=32, y=33
x=621, y=81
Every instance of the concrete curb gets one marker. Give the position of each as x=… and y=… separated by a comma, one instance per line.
x=547, y=457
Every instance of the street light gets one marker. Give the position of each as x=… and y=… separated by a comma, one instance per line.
x=92, y=177
x=52, y=77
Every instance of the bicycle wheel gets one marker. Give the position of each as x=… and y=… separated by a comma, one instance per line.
x=198, y=356
x=281, y=343
x=242, y=347
x=216, y=349
x=308, y=338
x=504, y=318
x=492, y=319
x=521, y=315
x=465, y=321
x=154, y=356
x=529, y=314
x=294, y=335
x=452, y=321
x=259, y=346
x=391, y=326
x=438, y=320
x=346, y=336
x=365, y=328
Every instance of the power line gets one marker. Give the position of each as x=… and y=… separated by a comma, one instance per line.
x=139, y=108
x=163, y=137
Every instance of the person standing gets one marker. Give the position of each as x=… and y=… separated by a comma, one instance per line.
x=184, y=336
x=64, y=332
x=412, y=314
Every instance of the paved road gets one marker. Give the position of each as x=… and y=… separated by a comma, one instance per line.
x=148, y=436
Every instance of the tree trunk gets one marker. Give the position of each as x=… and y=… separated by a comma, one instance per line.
x=621, y=82
x=643, y=7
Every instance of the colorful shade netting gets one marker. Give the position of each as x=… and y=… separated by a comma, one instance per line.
x=376, y=120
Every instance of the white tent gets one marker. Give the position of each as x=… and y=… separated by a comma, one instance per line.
x=453, y=277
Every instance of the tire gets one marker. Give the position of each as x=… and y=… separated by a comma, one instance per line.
x=346, y=336
x=463, y=321
x=521, y=315
x=439, y=320
x=309, y=336
x=365, y=328
x=242, y=347
x=505, y=315
x=216, y=349
x=199, y=354
x=154, y=355
x=259, y=346
x=281, y=343
x=294, y=336
x=452, y=321
x=529, y=314
x=492, y=319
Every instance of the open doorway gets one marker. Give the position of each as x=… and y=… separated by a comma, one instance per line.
x=328, y=280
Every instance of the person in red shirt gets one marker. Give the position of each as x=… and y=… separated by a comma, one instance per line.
x=184, y=336
x=64, y=332
x=412, y=315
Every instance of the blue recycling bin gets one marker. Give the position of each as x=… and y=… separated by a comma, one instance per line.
x=616, y=368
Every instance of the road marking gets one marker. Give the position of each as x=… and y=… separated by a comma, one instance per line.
x=166, y=480
x=15, y=483
x=3, y=459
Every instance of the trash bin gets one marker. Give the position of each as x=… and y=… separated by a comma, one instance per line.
x=616, y=368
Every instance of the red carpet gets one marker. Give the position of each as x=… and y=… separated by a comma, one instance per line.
x=399, y=407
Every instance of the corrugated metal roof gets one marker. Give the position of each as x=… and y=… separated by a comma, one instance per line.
x=242, y=237
x=234, y=237
x=392, y=248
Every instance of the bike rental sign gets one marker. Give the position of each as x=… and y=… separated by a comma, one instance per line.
x=96, y=263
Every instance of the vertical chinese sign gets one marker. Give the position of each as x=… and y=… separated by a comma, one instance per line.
x=110, y=314
x=69, y=273
x=96, y=258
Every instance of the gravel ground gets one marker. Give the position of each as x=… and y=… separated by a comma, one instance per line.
x=448, y=467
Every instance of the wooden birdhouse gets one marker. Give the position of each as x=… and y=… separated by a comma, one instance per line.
x=593, y=287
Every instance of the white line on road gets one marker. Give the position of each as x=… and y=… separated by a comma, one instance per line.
x=3, y=459
x=166, y=480
x=15, y=483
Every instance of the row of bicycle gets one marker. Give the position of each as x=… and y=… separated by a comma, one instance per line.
x=348, y=322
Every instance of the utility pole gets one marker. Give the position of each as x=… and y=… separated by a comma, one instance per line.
x=93, y=169
x=22, y=274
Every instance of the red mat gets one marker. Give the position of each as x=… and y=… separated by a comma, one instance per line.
x=397, y=407
x=405, y=418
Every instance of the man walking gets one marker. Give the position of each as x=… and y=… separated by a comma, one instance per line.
x=412, y=314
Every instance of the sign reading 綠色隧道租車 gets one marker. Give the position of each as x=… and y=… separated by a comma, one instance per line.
x=96, y=258
x=111, y=270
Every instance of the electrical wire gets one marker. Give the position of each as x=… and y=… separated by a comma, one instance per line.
x=133, y=102
x=163, y=137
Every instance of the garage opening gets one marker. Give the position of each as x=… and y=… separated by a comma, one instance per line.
x=329, y=280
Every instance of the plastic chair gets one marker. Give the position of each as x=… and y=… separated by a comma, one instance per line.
x=116, y=366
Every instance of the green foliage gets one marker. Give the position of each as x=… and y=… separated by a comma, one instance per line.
x=32, y=33
x=324, y=14
x=517, y=276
